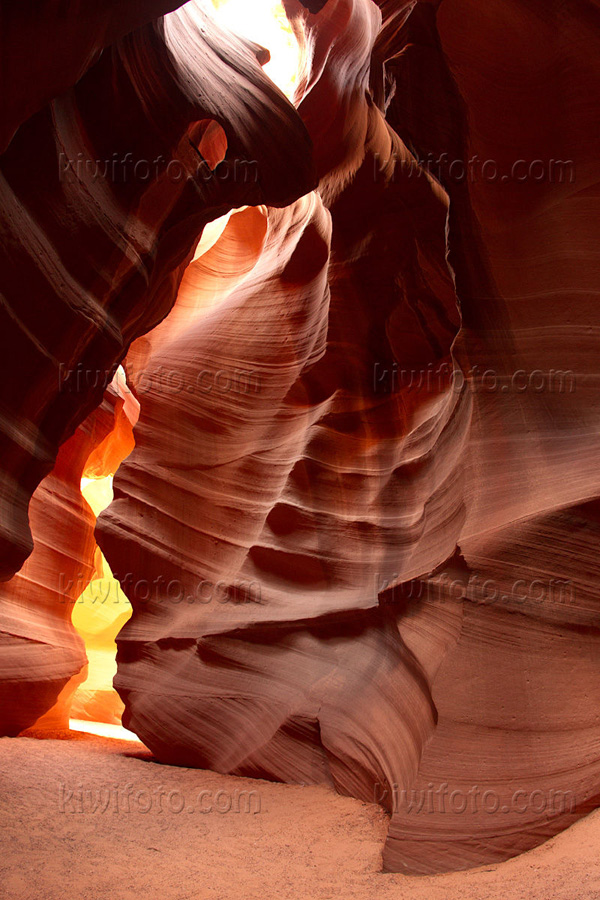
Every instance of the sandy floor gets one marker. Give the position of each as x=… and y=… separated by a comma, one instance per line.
x=149, y=838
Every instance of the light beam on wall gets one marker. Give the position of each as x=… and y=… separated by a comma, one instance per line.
x=117, y=732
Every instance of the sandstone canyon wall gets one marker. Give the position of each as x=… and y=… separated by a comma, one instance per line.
x=359, y=526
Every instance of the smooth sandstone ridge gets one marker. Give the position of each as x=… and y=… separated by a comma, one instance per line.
x=359, y=525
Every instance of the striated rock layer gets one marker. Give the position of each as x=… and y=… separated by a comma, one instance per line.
x=42, y=655
x=105, y=192
x=92, y=253
x=291, y=632
x=359, y=526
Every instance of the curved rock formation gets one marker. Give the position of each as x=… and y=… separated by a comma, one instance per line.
x=522, y=176
x=262, y=667
x=41, y=652
x=359, y=525
x=105, y=192
x=302, y=481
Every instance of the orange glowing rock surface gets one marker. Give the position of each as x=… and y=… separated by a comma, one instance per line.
x=37, y=603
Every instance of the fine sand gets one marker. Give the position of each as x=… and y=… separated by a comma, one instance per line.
x=149, y=838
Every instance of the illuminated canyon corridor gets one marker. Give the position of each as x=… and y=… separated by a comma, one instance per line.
x=299, y=450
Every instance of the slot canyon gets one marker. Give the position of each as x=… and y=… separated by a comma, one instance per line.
x=300, y=449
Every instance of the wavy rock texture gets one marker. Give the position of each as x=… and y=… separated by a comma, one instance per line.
x=516, y=699
x=514, y=757
x=298, y=484
x=523, y=249
x=358, y=528
x=42, y=655
x=290, y=635
x=92, y=247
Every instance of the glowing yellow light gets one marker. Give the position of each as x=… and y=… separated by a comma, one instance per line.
x=98, y=615
x=265, y=23
x=211, y=234
x=117, y=732
x=98, y=492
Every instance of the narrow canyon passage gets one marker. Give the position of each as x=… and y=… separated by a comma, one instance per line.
x=299, y=416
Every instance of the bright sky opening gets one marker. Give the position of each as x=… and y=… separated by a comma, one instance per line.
x=265, y=23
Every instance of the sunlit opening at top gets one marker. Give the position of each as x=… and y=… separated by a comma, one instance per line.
x=265, y=23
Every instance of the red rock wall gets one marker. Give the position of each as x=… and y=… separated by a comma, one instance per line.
x=41, y=652
x=92, y=261
x=359, y=525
